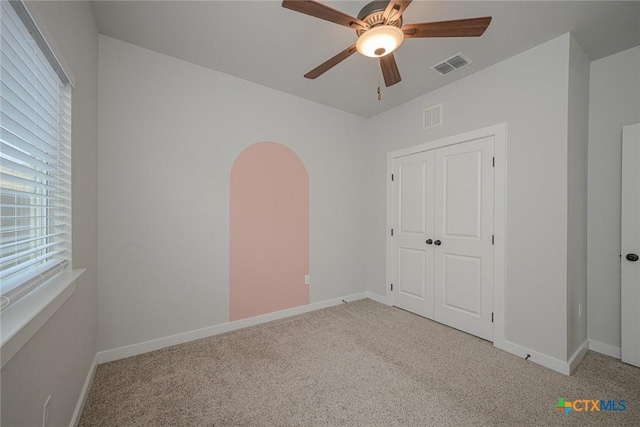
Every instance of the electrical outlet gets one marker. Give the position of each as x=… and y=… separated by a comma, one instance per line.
x=307, y=279
x=45, y=412
x=579, y=310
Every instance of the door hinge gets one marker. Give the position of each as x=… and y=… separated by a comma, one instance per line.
x=493, y=239
x=492, y=317
x=391, y=177
x=494, y=162
x=392, y=232
x=392, y=287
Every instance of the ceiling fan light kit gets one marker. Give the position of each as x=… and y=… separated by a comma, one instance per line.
x=379, y=41
x=380, y=31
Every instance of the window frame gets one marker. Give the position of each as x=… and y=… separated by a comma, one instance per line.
x=16, y=286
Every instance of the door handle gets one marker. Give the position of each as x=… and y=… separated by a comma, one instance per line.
x=632, y=257
x=429, y=241
x=437, y=243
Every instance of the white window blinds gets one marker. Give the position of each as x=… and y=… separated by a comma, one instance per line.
x=35, y=162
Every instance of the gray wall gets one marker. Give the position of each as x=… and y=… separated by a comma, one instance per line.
x=57, y=358
x=578, y=139
x=169, y=134
x=614, y=102
x=532, y=99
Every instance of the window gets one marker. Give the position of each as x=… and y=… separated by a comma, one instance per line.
x=35, y=157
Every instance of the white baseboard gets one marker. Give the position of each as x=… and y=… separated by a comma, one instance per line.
x=378, y=298
x=156, y=344
x=84, y=393
x=607, y=349
x=535, y=357
x=577, y=356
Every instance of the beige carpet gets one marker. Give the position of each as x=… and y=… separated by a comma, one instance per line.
x=358, y=364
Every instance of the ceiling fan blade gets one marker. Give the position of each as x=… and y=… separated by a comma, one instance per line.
x=319, y=10
x=332, y=62
x=389, y=70
x=473, y=27
x=398, y=7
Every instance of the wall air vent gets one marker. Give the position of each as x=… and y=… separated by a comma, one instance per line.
x=432, y=116
x=451, y=64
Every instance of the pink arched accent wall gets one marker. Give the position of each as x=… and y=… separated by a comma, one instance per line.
x=269, y=231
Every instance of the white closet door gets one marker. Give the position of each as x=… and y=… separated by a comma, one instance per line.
x=464, y=227
x=631, y=244
x=412, y=261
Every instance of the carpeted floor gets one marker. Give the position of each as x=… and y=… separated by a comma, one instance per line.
x=358, y=364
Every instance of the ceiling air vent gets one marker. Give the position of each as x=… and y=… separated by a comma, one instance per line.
x=432, y=116
x=451, y=64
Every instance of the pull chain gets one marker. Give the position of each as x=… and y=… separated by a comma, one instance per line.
x=379, y=94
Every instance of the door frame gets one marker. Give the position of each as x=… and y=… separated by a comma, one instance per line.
x=499, y=133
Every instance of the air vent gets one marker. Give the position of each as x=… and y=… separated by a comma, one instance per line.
x=443, y=68
x=451, y=64
x=432, y=116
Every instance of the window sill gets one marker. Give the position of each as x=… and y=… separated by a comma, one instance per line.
x=21, y=320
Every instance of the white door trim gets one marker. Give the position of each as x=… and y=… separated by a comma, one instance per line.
x=499, y=132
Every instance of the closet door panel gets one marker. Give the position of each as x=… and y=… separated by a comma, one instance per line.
x=463, y=215
x=413, y=215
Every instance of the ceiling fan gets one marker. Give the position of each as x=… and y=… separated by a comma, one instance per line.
x=380, y=31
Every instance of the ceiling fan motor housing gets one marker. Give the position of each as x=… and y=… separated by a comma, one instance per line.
x=373, y=14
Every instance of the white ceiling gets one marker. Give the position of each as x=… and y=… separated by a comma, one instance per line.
x=262, y=42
